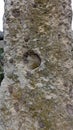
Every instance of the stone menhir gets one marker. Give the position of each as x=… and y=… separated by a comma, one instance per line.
x=39, y=98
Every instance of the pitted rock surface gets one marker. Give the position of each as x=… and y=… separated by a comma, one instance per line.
x=40, y=98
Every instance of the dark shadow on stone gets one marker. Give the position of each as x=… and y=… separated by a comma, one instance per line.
x=1, y=35
x=31, y=59
x=1, y=64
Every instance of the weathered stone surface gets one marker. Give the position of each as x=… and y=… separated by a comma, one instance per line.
x=37, y=97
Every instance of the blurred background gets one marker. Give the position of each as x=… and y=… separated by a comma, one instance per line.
x=1, y=14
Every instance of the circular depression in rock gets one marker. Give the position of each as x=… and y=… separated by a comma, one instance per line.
x=31, y=59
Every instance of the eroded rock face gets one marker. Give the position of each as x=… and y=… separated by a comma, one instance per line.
x=36, y=93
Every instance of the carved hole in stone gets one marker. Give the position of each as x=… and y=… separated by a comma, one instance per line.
x=16, y=12
x=31, y=59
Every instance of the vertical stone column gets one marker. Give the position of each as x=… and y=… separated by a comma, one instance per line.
x=37, y=91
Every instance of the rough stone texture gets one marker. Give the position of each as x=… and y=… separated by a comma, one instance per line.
x=37, y=91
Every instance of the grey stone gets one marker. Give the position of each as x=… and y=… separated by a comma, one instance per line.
x=40, y=97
